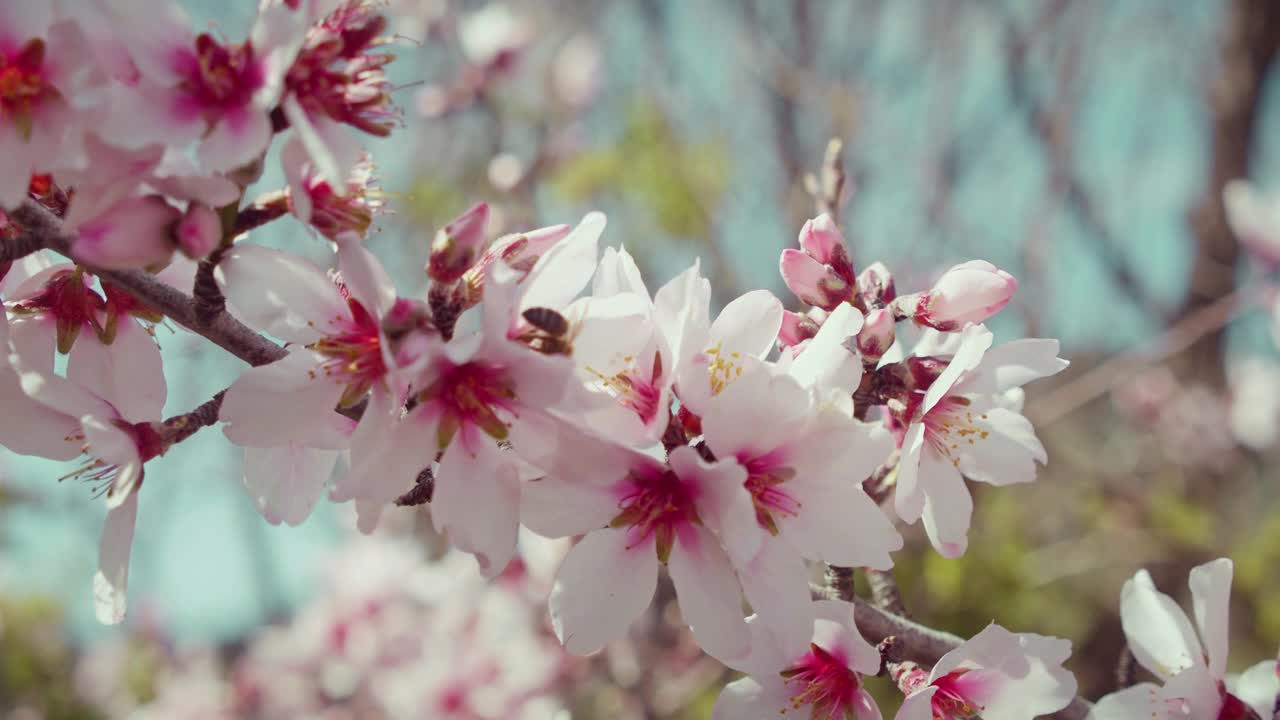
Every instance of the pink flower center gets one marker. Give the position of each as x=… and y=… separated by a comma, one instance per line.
x=658, y=504
x=102, y=473
x=765, y=479
x=633, y=391
x=336, y=75
x=823, y=684
x=221, y=77
x=338, y=216
x=22, y=84
x=70, y=303
x=353, y=357
x=470, y=396
x=1233, y=708
x=949, y=702
x=950, y=426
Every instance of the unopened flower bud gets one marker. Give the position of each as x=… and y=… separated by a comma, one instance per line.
x=458, y=245
x=821, y=273
x=875, y=286
x=133, y=233
x=877, y=334
x=198, y=232
x=924, y=370
x=967, y=293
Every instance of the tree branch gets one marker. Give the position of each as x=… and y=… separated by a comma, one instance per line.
x=41, y=227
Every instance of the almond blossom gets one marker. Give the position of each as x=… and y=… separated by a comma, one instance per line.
x=804, y=472
x=199, y=87
x=283, y=413
x=1189, y=660
x=117, y=438
x=996, y=674
x=472, y=392
x=41, y=57
x=821, y=272
x=961, y=426
x=823, y=680
x=638, y=512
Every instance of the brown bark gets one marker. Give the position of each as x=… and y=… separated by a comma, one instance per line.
x=1250, y=39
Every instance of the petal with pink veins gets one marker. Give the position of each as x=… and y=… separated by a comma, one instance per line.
x=477, y=504
x=601, y=588
x=285, y=482
x=564, y=270
x=111, y=581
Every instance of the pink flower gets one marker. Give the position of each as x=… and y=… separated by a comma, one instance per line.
x=821, y=273
x=1193, y=674
x=637, y=513
x=967, y=293
x=962, y=426
x=283, y=413
x=520, y=251
x=339, y=213
x=458, y=245
x=996, y=674
x=137, y=232
x=117, y=436
x=39, y=63
x=197, y=87
x=337, y=79
x=1254, y=217
x=803, y=507
x=823, y=680
x=474, y=391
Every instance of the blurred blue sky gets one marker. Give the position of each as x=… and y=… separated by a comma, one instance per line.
x=210, y=567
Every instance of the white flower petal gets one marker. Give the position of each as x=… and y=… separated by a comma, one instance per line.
x=285, y=482
x=708, y=592
x=1211, y=595
x=1159, y=633
x=477, y=503
x=602, y=587
x=281, y=294
x=111, y=581
x=128, y=372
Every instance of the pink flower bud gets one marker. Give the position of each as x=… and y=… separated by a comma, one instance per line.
x=877, y=334
x=198, y=232
x=821, y=239
x=814, y=283
x=134, y=233
x=458, y=245
x=967, y=293
x=875, y=286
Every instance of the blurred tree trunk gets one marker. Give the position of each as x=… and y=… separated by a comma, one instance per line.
x=1250, y=38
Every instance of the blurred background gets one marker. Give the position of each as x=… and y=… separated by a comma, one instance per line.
x=1082, y=146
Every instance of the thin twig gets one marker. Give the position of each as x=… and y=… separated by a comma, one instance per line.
x=828, y=189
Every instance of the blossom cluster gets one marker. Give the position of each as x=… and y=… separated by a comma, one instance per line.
x=539, y=382
x=388, y=633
